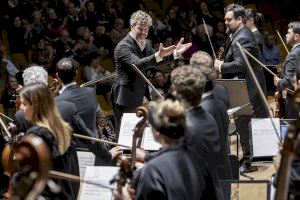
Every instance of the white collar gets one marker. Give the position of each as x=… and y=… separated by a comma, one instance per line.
x=233, y=34
x=295, y=45
x=142, y=47
x=205, y=94
x=66, y=86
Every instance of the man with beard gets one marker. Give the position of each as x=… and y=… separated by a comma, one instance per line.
x=288, y=69
x=129, y=87
x=233, y=66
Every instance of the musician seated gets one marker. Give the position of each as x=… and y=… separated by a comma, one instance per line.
x=168, y=175
x=9, y=97
x=294, y=181
x=39, y=108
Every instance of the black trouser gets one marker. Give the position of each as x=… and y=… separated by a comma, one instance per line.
x=290, y=111
x=242, y=126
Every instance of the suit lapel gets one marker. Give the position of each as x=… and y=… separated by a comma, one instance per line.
x=135, y=45
x=228, y=43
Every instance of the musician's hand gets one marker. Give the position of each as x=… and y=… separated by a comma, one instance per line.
x=127, y=193
x=217, y=65
x=115, y=151
x=276, y=79
x=165, y=51
x=277, y=160
x=280, y=146
x=19, y=88
x=181, y=48
x=140, y=155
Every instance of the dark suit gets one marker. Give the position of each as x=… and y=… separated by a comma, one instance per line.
x=221, y=93
x=85, y=100
x=129, y=87
x=170, y=176
x=218, y=110
x=234, y=66
x=288, y=72
x=69, y=114
x=203, y=137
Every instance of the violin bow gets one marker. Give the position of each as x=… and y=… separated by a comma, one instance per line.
x=261, y=94
x=99, y=140
x=282, y=41
x=102, y=79
x=5, y=128
x=147, y=81
x=260, y=63
x=211, y=45
x=71, y=177
x=265, y=67
x=10, y=119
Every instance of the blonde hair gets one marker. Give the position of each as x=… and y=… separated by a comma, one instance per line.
x=201, y=58
x=168, y=117
x=45, y=114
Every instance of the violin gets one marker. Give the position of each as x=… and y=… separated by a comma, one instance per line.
x=279, y=103
x=290, y=151
x=127, y=166
x=54, y=85
x=220, y=57
x=28, y=155
x=32, y=157
x=7, y=161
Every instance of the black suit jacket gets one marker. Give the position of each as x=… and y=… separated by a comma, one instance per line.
x=218, y=110
x=68, y=112
x=86, y=102
x=234, y=64
x=221, y=93
x=288, y=69
x=129, y=87
x=203, y=139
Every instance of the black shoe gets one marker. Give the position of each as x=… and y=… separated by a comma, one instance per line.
x=247, y=168
x=244, y=168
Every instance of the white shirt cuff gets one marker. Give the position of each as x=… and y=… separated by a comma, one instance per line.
x=157, y=57
x=176, y=56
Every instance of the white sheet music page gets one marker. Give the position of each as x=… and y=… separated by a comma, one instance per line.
x=264, y=138
x=149, y=143
x=129, y=120
x=85, y=159
x=101, y=175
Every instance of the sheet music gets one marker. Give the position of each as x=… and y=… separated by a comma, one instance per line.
x=149, y=143
x=101, y=175
x=85, y=159
x=264, y=138
x=129, y=120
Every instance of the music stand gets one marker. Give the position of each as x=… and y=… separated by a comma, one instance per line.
x=239, y=103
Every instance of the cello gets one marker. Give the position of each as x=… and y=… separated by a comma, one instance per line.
x=127, y=166
x=31, y=156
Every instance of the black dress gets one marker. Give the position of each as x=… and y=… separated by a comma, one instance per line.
x=67, y=163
